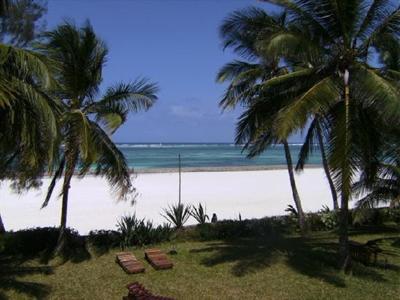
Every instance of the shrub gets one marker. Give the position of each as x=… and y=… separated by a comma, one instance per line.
x=230, y=229
x=38, y=241
x=330, y=218
x=177, y=214
x=199, y=213
x=394, y=215
x=136, y=232
x=314, y=222
x=376, y=216
x=103, y=240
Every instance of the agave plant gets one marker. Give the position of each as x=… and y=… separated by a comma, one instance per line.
x=127, y=225
x=177, y=214
x=199, y=213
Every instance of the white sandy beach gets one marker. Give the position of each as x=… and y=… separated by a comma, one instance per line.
x=253, y=194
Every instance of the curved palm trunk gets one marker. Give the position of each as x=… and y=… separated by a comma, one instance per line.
x=71, y=160
x=344, y=249
x=295, y=193
x=326, y=168
x=2, y=228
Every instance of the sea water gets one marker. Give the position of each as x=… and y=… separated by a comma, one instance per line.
x=196, y=155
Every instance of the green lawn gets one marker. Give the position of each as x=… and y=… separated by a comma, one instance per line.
x=279, y=268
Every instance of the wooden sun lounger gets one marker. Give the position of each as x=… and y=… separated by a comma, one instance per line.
x=129, y=263
x=138, y=292
x=158, y=259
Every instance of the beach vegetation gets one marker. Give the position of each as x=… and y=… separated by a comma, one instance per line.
x=330, y=51
x=21, y=21
x=134, y=232
x=316, y=139
x=28, y=118
x=199, y=213
x=77, y=57
x=240, y=31
x=177, y=214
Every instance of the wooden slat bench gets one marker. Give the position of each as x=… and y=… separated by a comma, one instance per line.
x=138, y=292
x=158, y=259
x=129, y=263
x=364, y=253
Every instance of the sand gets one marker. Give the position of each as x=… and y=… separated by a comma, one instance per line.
x=253, y=194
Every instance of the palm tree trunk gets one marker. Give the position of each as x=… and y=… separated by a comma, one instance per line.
x=326, y=168
x=344, y=249
x=2, y=228
x=295, y=193
x=71, y=157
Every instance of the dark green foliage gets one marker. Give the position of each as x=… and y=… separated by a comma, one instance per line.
x=231, y=229
x=177, y=214
x=199, y=213
x=138, y=232
x=39, y=241
x=292, y=210
x=22, y=21
x=376, y=216
x=104, y=240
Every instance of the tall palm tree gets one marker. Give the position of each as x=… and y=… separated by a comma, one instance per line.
x=88, y=119
x=315, y=136
x=241, y=31
x=345, y=84
x=28, y=118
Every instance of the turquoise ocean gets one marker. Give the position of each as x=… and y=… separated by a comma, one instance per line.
x=204, y=155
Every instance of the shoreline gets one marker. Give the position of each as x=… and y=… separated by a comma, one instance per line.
x=134, y=171
x=217, y=169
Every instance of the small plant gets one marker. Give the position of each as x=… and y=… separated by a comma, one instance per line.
x=292, y=211
x=199, y=213
x=214, y=218
x=330, y=219
x=136, y=232
x=177, y=214
x=127, y=227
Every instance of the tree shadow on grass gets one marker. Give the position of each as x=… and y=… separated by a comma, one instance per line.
x=313, y=258
x=11, y=278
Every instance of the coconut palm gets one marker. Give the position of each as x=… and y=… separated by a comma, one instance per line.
x=241, y=31
x=88, y=119
x=27, y=121
x=315, y=136
x=28, y=118
x=346, y=35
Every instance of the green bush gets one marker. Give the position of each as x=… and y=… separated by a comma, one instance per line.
x=376, y=216
x=37, y=241
x=138, y=232
x=199, y=213
x=394, y=215
x=177, y=214
x=330, y=219
x=104, y=239
x=230, y=229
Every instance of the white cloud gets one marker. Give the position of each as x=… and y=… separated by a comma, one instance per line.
x=186, y=112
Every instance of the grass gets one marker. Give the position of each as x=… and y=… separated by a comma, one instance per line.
x=286, y=267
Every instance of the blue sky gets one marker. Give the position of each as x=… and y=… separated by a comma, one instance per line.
x=174, y=43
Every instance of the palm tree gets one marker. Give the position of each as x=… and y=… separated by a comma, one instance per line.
x=382, y=185
x=315, y=136
x=28, y=118
x=241, y=31
x=27, y=115
x=344, y=84
x=88, y=120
